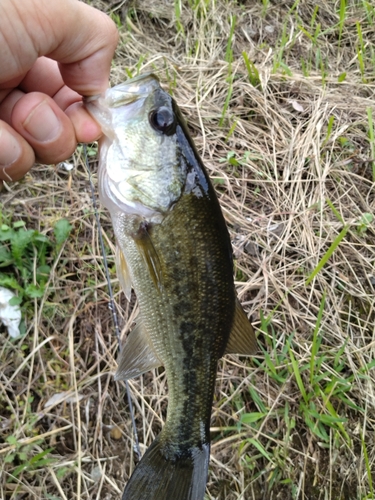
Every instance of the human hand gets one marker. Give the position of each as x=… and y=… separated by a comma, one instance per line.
x=52, y=53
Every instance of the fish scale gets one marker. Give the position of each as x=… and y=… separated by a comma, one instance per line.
x=174, y=250
x=186, y=333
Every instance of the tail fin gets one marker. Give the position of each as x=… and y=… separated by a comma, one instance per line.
x=159, y=478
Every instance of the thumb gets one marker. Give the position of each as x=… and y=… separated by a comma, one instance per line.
x=79, y=37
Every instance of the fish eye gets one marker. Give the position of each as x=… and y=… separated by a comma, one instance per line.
x=163, y=120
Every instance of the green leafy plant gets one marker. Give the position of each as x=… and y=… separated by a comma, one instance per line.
x=364, y=222
x=24, y=458
x=232, y=160
x=25, y=258
x=252, y=72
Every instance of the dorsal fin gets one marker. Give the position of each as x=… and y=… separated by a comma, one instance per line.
x=242, y=338
x=137, y=355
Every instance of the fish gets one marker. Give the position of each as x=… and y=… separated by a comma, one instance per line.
x=173, y=248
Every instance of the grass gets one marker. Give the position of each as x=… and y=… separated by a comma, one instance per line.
x=279, y=97
x=371, y=139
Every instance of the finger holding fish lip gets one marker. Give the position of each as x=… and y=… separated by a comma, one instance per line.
x=40, y=97
x=40, y=129
x=16, y=155
x=45, y=77
x=48, y=130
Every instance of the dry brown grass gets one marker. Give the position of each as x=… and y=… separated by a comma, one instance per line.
x=275, y=202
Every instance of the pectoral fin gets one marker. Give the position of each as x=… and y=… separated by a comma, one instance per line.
x=137, y=355
x=123, y=273
x=242, y=338
x=147, y=250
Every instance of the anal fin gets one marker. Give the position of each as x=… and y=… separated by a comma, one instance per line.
x=242, y=338
x=137, y=355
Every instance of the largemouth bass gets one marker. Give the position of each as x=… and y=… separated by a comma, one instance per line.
x=174, y=249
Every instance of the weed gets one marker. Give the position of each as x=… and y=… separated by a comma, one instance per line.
x=25, y=257
x=371, y=135
x=26, y=458
x=117, y=19
x=252, y=72
x=265, y=6
x=342, y=16
x=232, y=160
x=278, y=60
x=229, y=49
x=361, y=54
x=177, y=10
x=364, y=222
x=226, y=103
x=328, y=254
x=329, y=130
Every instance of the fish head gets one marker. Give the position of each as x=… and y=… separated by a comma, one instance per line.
x=140, y=167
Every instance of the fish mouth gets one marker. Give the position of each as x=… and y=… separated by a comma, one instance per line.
x=133, y=92
x=87, y=99
x=125, y=93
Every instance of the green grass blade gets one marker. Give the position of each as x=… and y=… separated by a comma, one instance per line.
x=250, y=418
x=298, y=377
x=328, y=254
x=372, y=139
x=252, y=71
x=329, y=130
x=315, y=343
x=368, y=467
x=226, y=103
x=229, y=51
x=342, y=17
x=257, y=400
x=260, y=448
x=332, y=207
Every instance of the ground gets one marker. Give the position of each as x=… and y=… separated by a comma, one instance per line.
x=280, y=101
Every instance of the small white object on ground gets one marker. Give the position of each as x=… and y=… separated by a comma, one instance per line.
x=10, y=316
x=297, y=106
x=59, y=397
x=66, y=165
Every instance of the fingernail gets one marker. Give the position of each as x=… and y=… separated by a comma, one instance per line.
x=10, y=149
x=42, y=123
